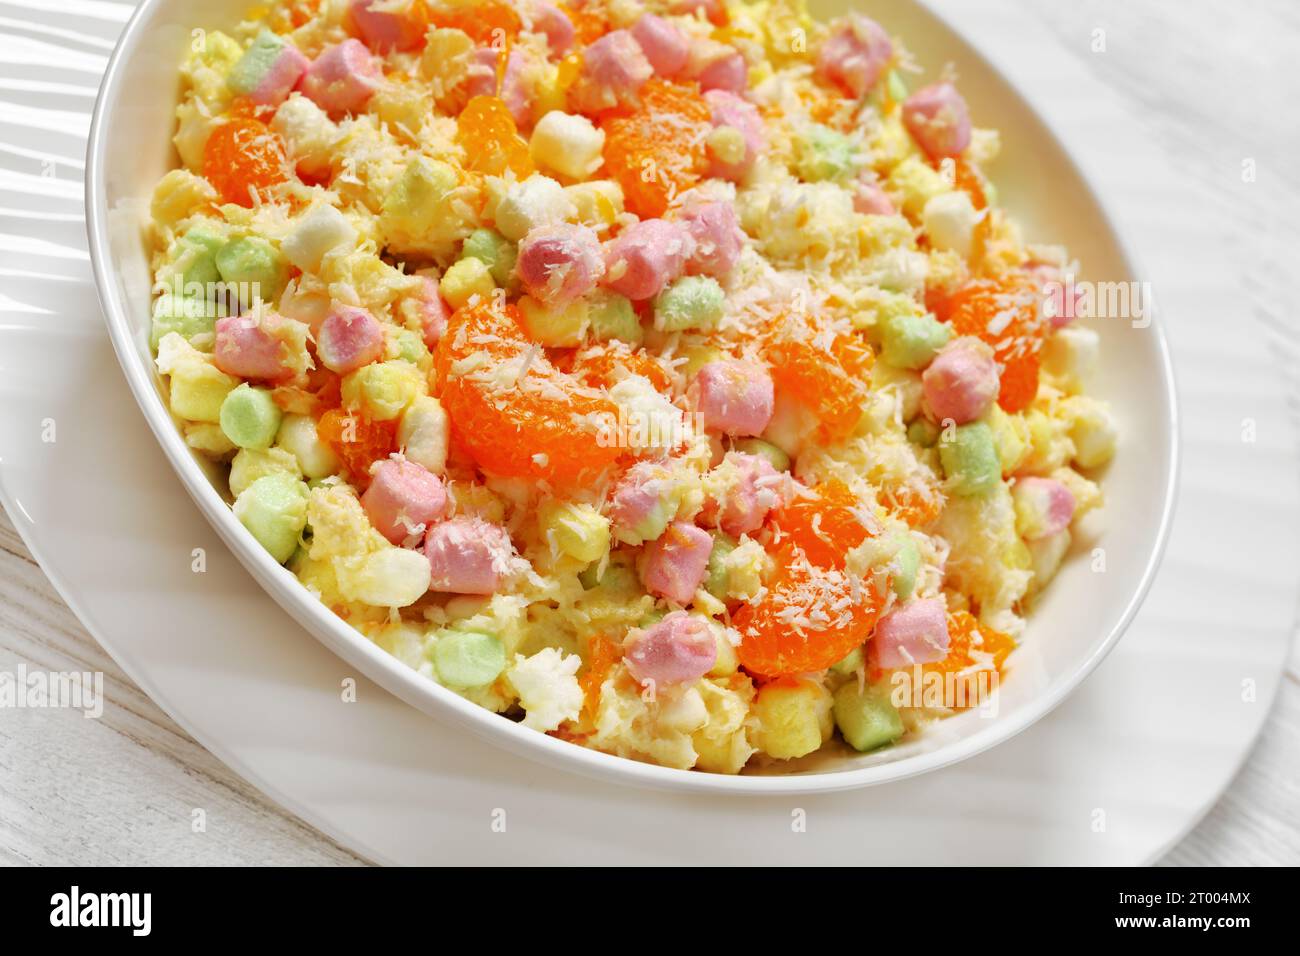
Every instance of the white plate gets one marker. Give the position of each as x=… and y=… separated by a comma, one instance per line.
x=1072, y=627
x=1114, y=776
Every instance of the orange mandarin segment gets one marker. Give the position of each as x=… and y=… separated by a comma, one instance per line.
x=486, y=131
x=968, y=181
x=589, y=23
x=824, y=524
x=358, y=441
x=488, y=22
x=808, y=619
x=241, y=153
x=514, y=412
x=602, y=655
x=917, y=504
x=605, y=365
x=818, y=380
x=1004, y=313
x=971, y=643
x=657, y=150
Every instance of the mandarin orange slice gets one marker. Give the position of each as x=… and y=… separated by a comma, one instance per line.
x=358, y=441
x=243, y=154
x=657, y=150
x=512, y=410
x=809, y=618
x=486, y=131
x=1004, y=313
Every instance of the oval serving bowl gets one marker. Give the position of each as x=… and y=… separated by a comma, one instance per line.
x=1073, y=625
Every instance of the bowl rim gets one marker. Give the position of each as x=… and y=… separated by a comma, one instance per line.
x=437, y=701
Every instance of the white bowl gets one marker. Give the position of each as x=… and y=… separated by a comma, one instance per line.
x=1073, y=626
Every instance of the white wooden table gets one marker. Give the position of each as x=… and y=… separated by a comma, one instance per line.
x=1215, y=81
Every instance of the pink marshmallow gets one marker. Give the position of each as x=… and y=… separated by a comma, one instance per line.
x=555, y=25
x=870, y=200
x=613, y=71
x=735, y=397
x=560, y=263
x=432, y=311
x=268, y=70
x=645, y=257
x=937, y=117
x=729, y=73
x=716, y=237
x=280, y=77
x=665, y=46
x=343, y=78
x=962, y=381
x=468, y=556
x=747, y=502
x=348, y=339
x=854, y=55
x=679, y=649
x=637, y=503
x=514, y=90
x=247, y=347
x=389, y=28
x=1051, y=502
x=728, y=109
x=403, y=499
x=676, y=562
x=481, y=75
x=284, y=74
x=916, y=633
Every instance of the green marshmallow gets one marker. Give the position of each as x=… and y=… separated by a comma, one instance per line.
x=192, y=263
x=907, y=563
x=187, y=316
x=692, y=302
x=254, y=64
x=468, y=658
x=912, y=341
x=970, y=459
x=250, y=464
x=617, y=579
x=716, y=577
x=897, y=552
x=824, y=154
x=896, y=87
x=764, y=449
x=652, y=617
x=866, y=717
x=923, y=432
x=495, y=251
x=249, y=417
x=850, y=663
x=256, y=266
x=274, y=510
x=611, y=316
x=408, y=346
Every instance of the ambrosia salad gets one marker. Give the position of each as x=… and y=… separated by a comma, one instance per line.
x=661, y=375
